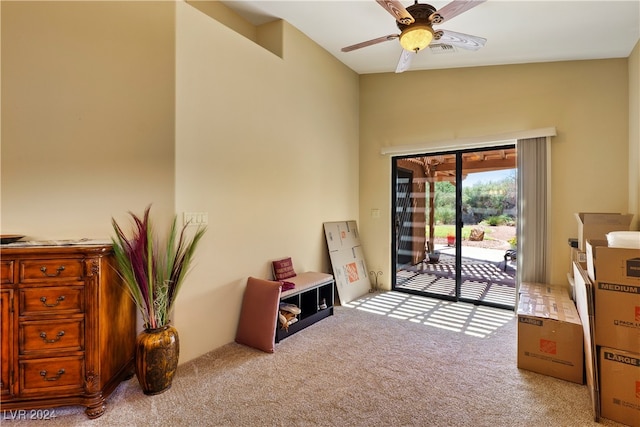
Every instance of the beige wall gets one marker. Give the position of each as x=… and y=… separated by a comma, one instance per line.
x=589, y=155
x=87, y=115
x=269, y=147
x=634, y=135
x=110, y=106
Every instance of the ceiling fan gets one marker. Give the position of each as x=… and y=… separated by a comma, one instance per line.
x=416, y=28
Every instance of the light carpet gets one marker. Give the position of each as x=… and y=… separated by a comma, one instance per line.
x=387, y=359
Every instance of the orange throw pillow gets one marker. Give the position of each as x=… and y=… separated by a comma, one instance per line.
x=259, y=314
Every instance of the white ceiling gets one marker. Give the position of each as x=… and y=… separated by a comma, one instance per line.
x=517, y=31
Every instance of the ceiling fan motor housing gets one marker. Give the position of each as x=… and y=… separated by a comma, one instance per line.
x=419, y=34
x=421, y=14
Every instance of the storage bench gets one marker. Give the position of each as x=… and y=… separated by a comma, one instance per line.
x=311, y=289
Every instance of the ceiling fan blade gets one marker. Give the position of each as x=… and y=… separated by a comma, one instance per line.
x=453, y=9
x=398, y=11
x=464, y=41
x=370, y=42
x=405, y=61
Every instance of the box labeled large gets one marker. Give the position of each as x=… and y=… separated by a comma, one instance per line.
x=620, y=386
x=534, y=288
x=550, y=336
x=597, y=225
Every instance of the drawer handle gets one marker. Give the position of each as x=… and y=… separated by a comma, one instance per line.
x=59, y=335
x=43, y=374
x=58, y=271
x=58, y=301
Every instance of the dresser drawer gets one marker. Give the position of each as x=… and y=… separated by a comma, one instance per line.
x=52, y=375
x=47, y=300
x=49, y=270
x=51, y=336
x=6, y=271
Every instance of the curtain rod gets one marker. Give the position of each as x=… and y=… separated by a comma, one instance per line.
x=474, y=142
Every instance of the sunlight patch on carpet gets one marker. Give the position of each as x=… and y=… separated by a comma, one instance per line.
x=458, y=317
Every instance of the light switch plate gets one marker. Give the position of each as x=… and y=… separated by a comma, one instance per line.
x=196, y=218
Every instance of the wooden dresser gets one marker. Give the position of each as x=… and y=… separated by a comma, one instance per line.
x=68, y=327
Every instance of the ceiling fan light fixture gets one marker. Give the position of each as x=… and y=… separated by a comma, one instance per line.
x=416, y=37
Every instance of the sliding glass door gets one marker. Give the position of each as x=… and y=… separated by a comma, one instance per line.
x=454, y=215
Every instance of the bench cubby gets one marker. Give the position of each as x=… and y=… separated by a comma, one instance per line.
x=311, y=290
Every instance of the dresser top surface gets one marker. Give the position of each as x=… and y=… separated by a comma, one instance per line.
x=56, y=246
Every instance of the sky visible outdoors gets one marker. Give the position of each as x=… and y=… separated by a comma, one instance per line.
x=495, y=176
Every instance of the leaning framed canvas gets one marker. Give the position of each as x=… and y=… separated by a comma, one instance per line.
x=347, y=259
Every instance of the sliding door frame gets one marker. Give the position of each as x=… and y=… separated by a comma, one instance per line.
x=458, y=223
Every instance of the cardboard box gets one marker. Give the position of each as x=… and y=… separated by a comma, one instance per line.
x=529, y=288
x=620, y=386
x=585, y=306
x=617, y=315
x=572, y=290
x=550, y=336
x=597, y=225
x=616, y=281
x=577, y=256
x=620, y=265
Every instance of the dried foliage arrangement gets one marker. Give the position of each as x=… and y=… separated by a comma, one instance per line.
x=154, y=271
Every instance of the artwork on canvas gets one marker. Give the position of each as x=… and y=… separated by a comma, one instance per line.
x=347, y=259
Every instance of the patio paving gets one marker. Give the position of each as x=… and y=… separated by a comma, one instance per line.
x=483, y=276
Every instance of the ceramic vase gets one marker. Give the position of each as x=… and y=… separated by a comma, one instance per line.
x=157, y=352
